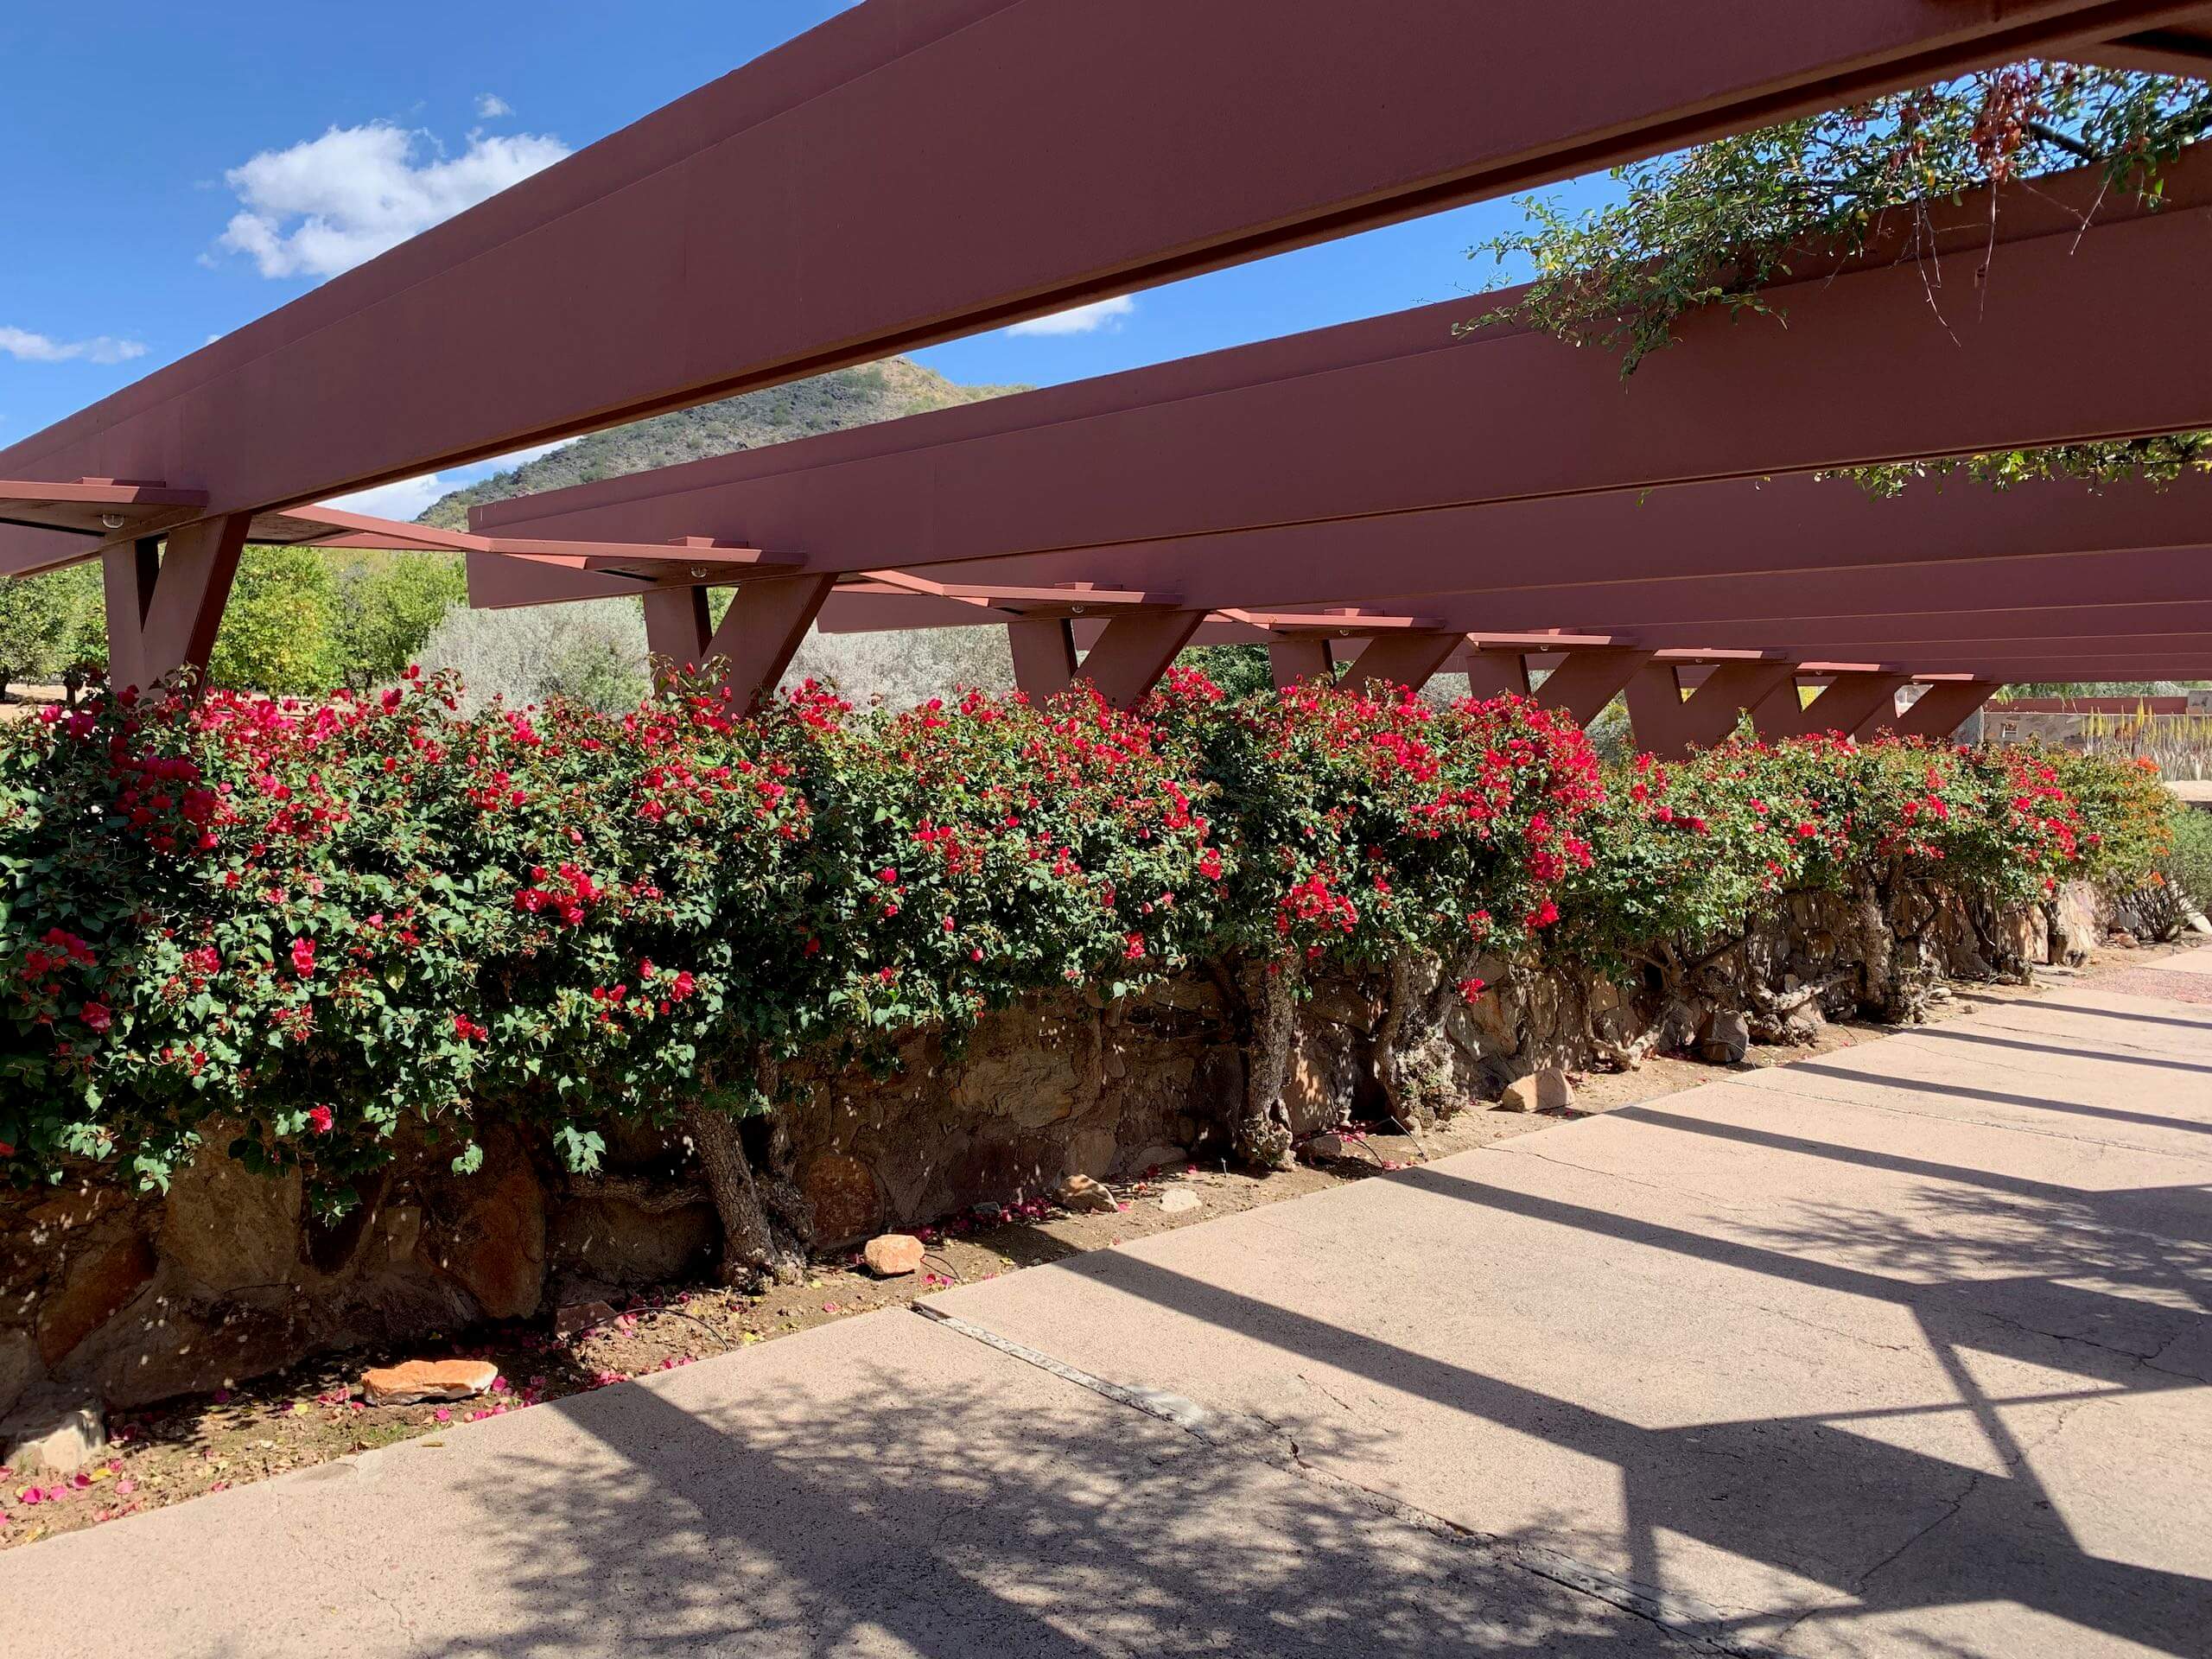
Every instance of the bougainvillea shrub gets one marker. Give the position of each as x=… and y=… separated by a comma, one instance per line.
x=1690, y=852
x=320, y=922
x=1367, y=823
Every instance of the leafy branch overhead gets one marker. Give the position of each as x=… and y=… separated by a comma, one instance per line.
x=1719, y=224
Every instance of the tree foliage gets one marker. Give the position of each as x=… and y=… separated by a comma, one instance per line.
x=41, y=619
x=1718, y=225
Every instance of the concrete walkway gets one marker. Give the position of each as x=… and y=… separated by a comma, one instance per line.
x=1901, y=1351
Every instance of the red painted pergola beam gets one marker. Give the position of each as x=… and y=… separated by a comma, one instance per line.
x=1579, y=560
x=1336, y=432
x=1020, y=157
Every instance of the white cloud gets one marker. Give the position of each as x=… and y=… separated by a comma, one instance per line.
x=1084, y=319
x=516, y=458
x=409, y=497
x=490, y=106
x=27, y=347
x=404, y=500
x=329, y=204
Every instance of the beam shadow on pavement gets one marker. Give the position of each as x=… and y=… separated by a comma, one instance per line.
x=2117, y=1057
x=1780, y=1489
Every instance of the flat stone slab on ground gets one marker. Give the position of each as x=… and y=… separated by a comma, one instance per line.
x=428, y=1379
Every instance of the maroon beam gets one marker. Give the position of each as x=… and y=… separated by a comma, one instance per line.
x=1296, y=658
x=1845, y=704
x=1580, y=687
x=1134, y=651
x=1378, y=421
x=1494, y=673
x=1043, y=655
x=1668, y=724
x=1940, y=711
x=1408, y=658
x=163, y=606
x=1022, y=156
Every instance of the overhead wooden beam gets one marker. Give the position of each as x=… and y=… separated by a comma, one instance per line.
x=1024, y=155
x=1332, y=442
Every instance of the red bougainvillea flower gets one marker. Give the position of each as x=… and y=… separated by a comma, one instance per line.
x=320, y=1120
x=97, y=1017
x=303, y=958
x=1470, y=990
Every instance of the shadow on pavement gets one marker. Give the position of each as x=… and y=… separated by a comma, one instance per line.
x=908, y=1519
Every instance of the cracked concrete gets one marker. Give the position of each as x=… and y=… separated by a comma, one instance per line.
x=1895, y=1351
x=1812, y=1349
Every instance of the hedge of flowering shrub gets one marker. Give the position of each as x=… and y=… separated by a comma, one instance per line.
x=322, y=922
x=1690, y=853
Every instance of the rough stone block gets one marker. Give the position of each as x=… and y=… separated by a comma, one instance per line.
x=890, y=1255
x=1725, y=1037
x=56, y=1437
x=1547, y=1090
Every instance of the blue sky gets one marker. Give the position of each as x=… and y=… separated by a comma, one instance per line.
x=176, y=171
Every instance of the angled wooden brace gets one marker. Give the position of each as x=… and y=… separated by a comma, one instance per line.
x=1580, y=687
x=759, y=636
x=1135, y=650
x=1668, y=726
x=1496, y=674
x=1847, y=701
x=1044, y=656
x=1409, y=659
x=1299, y=657
x=678, y=626
x=163, y=609
x=762, y=631
x=1942, y=709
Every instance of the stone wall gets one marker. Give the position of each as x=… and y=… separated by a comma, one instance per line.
x=133, y=1298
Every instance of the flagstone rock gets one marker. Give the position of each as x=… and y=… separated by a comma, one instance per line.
x=1725, y=1038
x=581, y=1316
x=418, y=1380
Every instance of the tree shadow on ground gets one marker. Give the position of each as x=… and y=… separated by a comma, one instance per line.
x=907, y=1516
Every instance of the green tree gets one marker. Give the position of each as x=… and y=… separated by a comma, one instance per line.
x=40, y=618
x=1239, y=671
x=279, y=630
x=386, y=610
